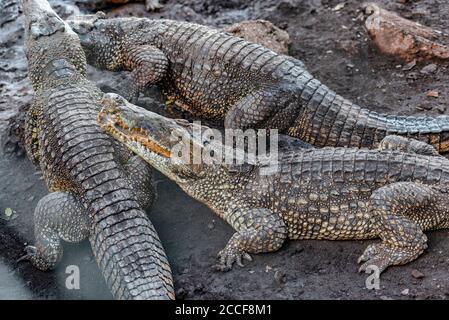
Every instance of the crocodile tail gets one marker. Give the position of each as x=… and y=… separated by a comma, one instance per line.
x=128, y=250
x=328, y=119
x=124, y=242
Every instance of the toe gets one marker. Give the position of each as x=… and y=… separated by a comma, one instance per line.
x=377, y=264
x=239, y=261
x=247, y=257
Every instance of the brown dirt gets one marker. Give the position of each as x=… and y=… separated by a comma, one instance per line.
x=335, y=48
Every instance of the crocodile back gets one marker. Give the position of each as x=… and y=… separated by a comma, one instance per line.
x=76, y=156
x=211, y=69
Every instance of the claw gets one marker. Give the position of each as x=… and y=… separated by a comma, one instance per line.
x=247, y=257
x=25, y=257
x=375, y=263
x=362, y=268
x=226, y=259
x=30, y=252
x=239, y=261
x=361, y=259
x=370, y=252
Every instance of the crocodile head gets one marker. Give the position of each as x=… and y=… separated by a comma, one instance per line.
x=48, y=39
x=96, y=34
x=169, y=145
x=107, y=40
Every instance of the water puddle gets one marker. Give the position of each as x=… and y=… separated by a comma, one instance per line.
x=11, y=287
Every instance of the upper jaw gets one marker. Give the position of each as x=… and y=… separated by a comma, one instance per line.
x=41, y=20
x=127, y=121
x=149, y=135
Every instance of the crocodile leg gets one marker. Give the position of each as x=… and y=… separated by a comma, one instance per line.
x=258, y=230
x=248, y=111
x=393, y=142
x=261, y=109
x=148, y=65
x=58, y=215
x=140, y=176
x=401, y=212
x=31, y=130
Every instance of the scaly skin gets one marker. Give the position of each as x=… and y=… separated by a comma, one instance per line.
x=96, y=187
x=329, y=193
x=217, y=76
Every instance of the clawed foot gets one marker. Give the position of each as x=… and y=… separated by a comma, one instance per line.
x=380, y=256
x=30, y=251
x=40, y=261
x=373, y=258
x=228, y=256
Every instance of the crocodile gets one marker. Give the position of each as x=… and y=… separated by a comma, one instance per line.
x=98, y=189
x=394, y=193
x=217, y=76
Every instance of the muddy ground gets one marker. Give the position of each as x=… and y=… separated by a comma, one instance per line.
x=334, y=46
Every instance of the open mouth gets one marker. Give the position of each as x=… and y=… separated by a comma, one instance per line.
x=111, y=122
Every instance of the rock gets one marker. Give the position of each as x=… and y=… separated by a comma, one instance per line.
x=279, y=276
x=181, y=293
x=183, y=270
x=211, y=225
x=10, y=11
x=322, y=271
x=262, y=32
x=417, y=274
x=147, y=5
x=431, y=68
x=410, y=65
x=8, y=212
x=412, y=76
x=14, y=136
x=297, y=250
x=350, y=66
x=183, y=13
x=423, y=107
x=199, y=288
x=405, y=292
x=339, y=6
x=403, y=38
x=433, y=93
x=440, y=109
x=350, y=46
x=129, y=10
